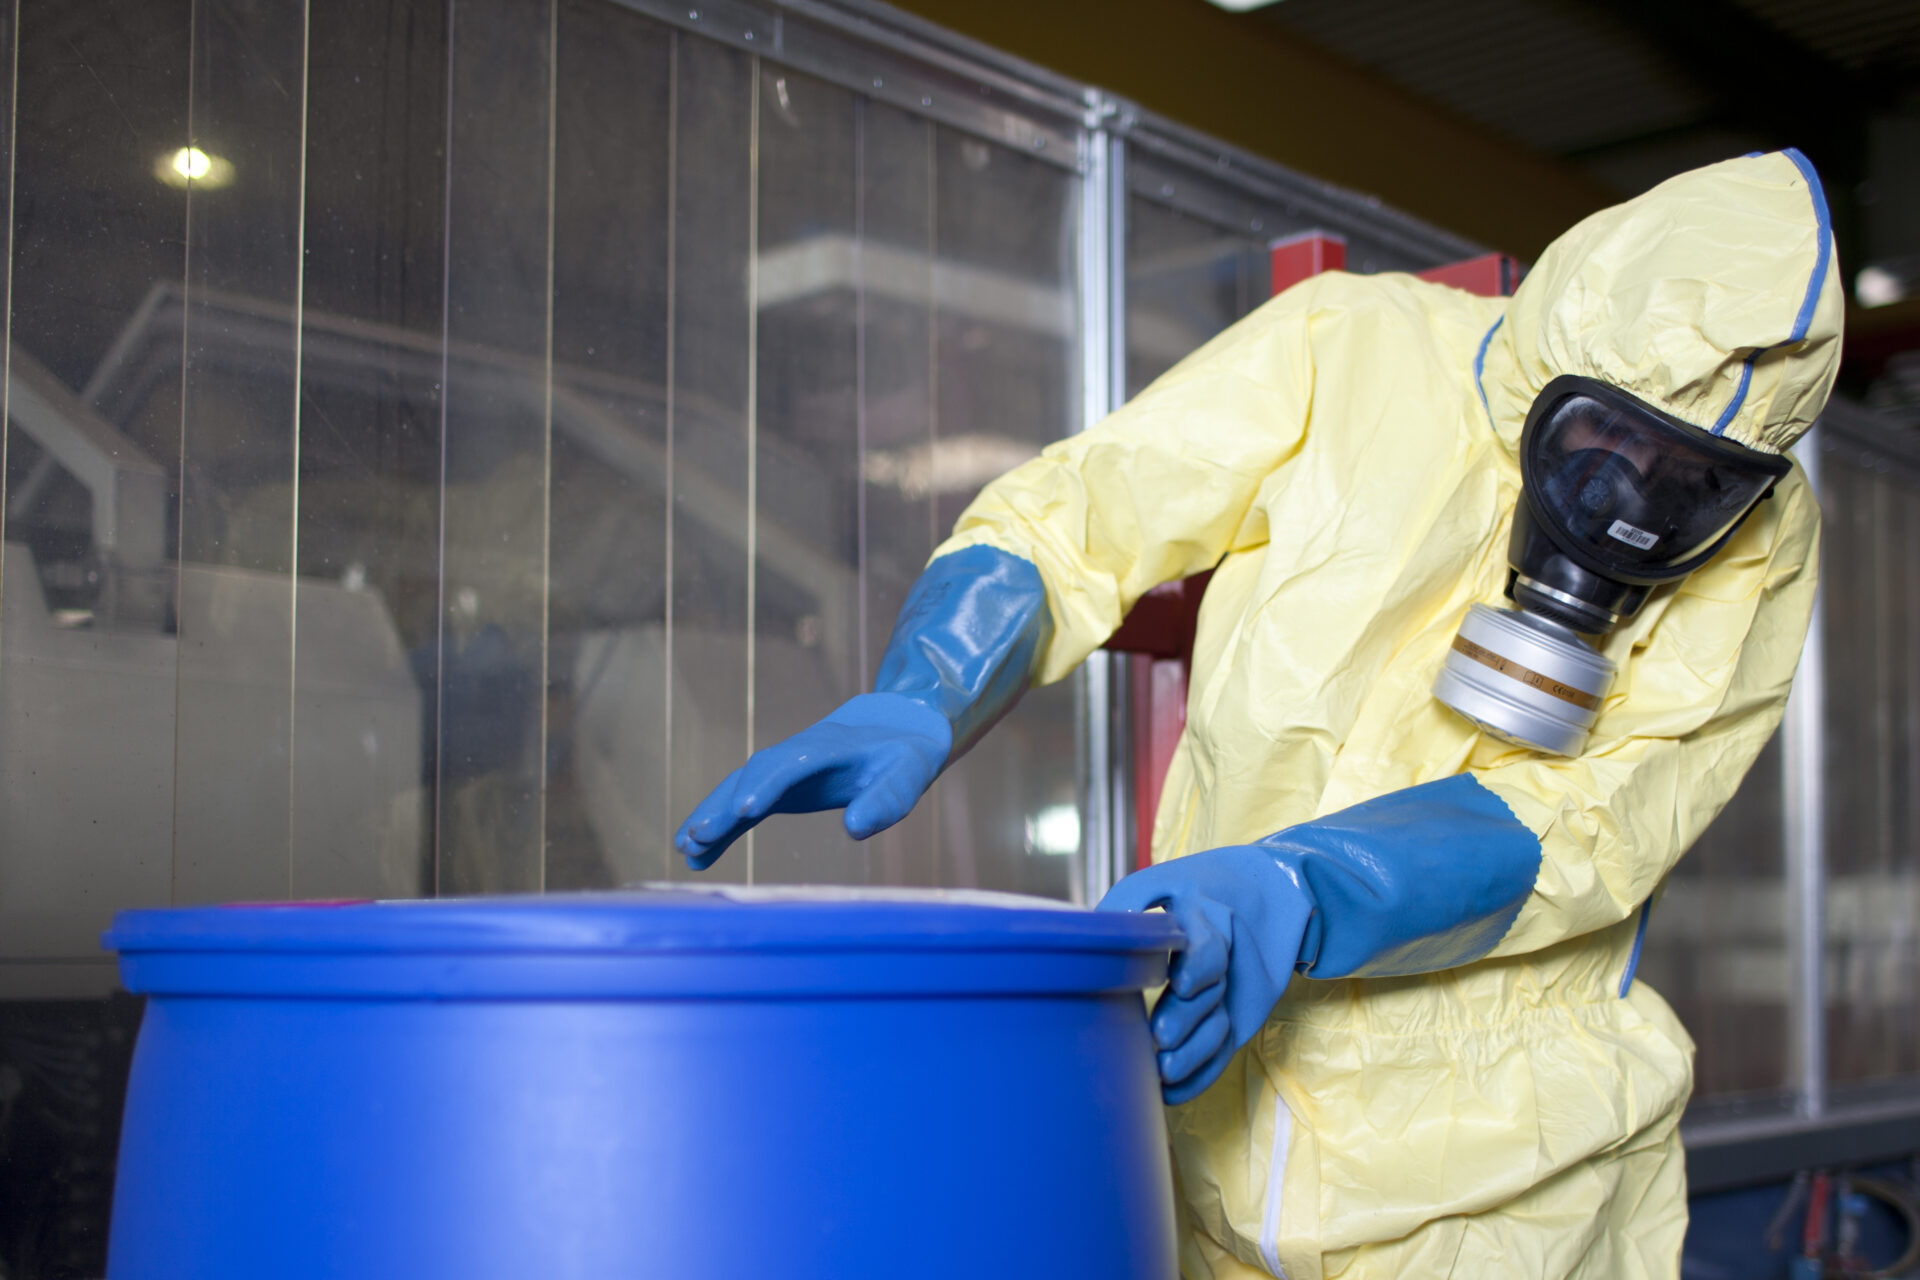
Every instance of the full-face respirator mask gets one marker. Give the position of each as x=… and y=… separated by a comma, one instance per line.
x=1617, y=499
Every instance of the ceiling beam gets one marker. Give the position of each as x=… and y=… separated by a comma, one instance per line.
x=1250, y=84
x=1762, y=79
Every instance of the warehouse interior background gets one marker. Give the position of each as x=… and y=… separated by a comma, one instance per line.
x=442, y=436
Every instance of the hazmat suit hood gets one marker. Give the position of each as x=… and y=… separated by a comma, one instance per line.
x=1676, y=297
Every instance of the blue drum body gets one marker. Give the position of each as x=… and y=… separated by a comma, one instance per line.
x=643, y=1084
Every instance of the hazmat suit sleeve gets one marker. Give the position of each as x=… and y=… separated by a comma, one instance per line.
x=1162, y=489
x=1702, y=689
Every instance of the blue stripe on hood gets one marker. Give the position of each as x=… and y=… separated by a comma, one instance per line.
x=1480, y=369
x=1804, y=319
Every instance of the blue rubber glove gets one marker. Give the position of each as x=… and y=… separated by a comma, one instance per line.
x=960, y=656
x=1245, y=916
x=874, y=757
x=1412, y=882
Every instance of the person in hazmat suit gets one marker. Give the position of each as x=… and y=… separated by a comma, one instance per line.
x=1404, y=1037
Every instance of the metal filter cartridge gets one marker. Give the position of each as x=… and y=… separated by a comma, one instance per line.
x=1525, y=678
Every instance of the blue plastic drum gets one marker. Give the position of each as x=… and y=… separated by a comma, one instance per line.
x=644, y=1084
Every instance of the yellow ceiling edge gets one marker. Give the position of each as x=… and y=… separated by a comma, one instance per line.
x=1245, y=82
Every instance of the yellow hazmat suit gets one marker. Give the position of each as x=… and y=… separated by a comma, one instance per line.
x=1346, y=457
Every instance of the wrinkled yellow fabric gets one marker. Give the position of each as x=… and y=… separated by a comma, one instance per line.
x=1333, y=456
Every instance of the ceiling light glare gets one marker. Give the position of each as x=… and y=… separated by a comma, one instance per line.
x=1241, y=6
x=192, y=167
x=1878, y=287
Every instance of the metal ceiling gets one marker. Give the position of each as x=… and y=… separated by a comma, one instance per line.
x=1482, y=59
x=1879, y=36
x=1634, y=89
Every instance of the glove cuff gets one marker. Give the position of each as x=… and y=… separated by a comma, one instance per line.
x=1414, y=881
x=967, y=640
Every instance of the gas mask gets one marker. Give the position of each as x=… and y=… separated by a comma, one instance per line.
x=1617, y=499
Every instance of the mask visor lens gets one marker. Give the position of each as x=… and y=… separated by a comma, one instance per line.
x=1633, y=490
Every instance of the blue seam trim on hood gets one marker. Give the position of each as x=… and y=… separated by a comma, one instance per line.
x=1803, y=320
x=1639, y=940
x=1479, y=369
x=1739, y=393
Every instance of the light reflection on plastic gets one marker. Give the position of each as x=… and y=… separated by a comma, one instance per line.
x=1054, y=831
x=190, y=166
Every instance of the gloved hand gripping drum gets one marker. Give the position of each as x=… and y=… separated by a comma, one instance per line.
x=1617, y=498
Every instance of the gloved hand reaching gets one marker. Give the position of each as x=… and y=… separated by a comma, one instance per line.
x=960, y=656
x=874, y=757
x=1411, y=882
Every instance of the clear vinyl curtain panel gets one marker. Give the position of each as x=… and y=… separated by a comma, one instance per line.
x=1870, y=562
x=445, y=438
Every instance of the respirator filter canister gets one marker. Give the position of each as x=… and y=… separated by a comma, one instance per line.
x=1525, y=679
